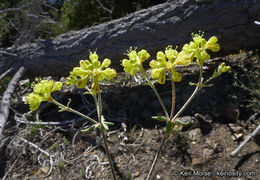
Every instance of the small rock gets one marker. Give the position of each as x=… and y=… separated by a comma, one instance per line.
x=207, y=153
x=158, y=176
x=195, y=161
x=45, y=169
x=210, y=142
x=235, y=128
x=136, y=174
x=218, y=148
x=204, y=123
x=195, y=134
x=238, y=135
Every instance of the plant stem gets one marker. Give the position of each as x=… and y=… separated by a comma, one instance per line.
x=72, y=110
x=156, y=92
x=157, y=156
x=173, y=100
x=99, y=108
x=198, y=87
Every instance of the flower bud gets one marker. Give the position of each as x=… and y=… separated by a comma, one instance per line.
x=154, y=64
x=93, y=57
x=143, y=55
x=109, y=73
x=80, y=72
x=132, y=55
x=162, y=78
x=171, y=54
x=176, y=77
x=156, y=72
x=105, y=63
x=161, y=57
x=212, y=44
x=204, y=56
x=34, y=101
x=83, y=64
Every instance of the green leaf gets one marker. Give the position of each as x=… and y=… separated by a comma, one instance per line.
x=109, y=123
x=104, y=126
x=96, y=126
x=179, y=122
x=102, y=119
x=88, y=129
x=87, y=92
x=207, y=85
x=193, y=84
x=160, y=118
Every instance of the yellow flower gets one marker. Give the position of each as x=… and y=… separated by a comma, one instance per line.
x=41, y=92
x=134, y=63
x=221, y=69
x=92, y=69
x=199, y=46
x=160, y=65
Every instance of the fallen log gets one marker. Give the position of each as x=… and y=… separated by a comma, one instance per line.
x=233, y=22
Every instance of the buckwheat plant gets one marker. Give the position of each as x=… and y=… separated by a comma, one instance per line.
x=167, y=61
x=92, y=69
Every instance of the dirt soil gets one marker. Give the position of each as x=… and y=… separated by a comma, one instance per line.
x=221, y=117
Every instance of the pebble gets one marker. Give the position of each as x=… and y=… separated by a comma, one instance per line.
x=195, y=134
x=235, y=128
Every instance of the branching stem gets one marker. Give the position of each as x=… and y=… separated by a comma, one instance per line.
x=72, y=110
x=198, y=87
x=156, y=92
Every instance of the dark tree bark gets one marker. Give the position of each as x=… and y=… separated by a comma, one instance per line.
x=171, y=23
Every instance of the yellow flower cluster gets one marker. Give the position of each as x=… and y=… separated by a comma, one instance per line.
x=135, y=61
x=92, y=69
x=42, y=92
x=170, y=58
x=199, y=47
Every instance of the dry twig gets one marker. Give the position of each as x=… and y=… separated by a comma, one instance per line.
x=4, y=107
x=255, y=132
x=42, y=151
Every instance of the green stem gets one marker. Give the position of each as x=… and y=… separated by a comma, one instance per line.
x=72, y=110
x=198, y=87
x=173, y=100
x=156, y=92
x=99, y=109
x=157, y=156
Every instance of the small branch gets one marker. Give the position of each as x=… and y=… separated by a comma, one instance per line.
x=21, y=120
x=103, y=7
x=4, y=106
x=13, y=10
x=255, y=132
x=35, y=146
x=73, y=111
x=5, y=73
x=42, y=151
x=7, y=53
